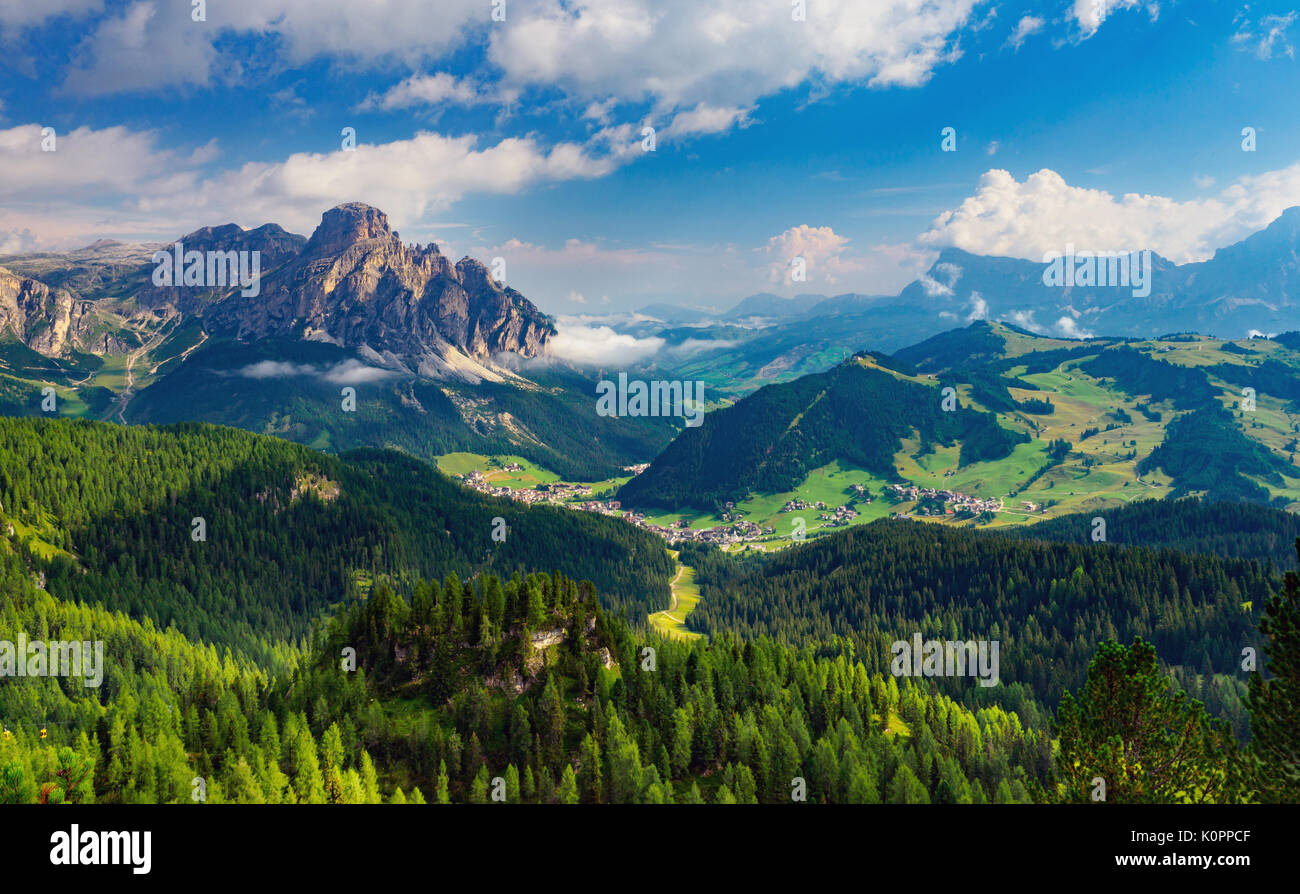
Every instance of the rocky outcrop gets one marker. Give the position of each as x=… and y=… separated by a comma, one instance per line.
x=357, y=285
x=49, y=321
x=275, y=246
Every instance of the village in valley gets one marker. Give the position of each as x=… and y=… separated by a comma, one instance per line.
x=923, y=502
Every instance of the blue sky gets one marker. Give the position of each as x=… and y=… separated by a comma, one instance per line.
x=1111, y=124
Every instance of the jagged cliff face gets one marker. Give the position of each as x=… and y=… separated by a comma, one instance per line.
x=49, y=321
x=355, y=284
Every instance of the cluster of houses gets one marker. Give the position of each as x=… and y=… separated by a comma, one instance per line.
x=840, y=516
x=542, y=493
x=736, y=531
x=954, y=503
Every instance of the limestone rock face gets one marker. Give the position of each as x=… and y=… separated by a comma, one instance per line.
x=275, y=246
x=49, y=321
x=357, y=285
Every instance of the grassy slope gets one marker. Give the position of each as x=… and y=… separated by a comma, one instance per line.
x=1101, y=471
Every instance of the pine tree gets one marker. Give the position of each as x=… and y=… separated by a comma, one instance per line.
x=1149, y=745
x=1275, y=703
x=567, y=793
x=441, y=795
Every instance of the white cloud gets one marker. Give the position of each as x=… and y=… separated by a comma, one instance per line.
x=116, y=181
x=674, y=53
x=1092, y=14
x=30, y=13
x=600, y=111
x=429, y=90
x=153, y=44
x=707, y=119
x=600, y=345
x=941, y=288
x=821, y=249
x=1024, y=28
x=1043, y=214
x=1267, y=37
x=345, y=372
x=1024, y=319
x=699, y=345
x=409, y=179
x=13, y=242
x=1070, y=329
x=979, y=308
x=727, y=53
x=147, y=47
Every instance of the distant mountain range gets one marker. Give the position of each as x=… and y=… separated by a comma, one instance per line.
x=1251, y=286
x=447, y=358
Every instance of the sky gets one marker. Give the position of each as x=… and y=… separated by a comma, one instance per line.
x=781, y=129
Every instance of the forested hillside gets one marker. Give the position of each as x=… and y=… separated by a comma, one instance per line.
x=524, y=689
x=769, y=441
x=1048, y=604
x=109, y=513
x=1231, y=530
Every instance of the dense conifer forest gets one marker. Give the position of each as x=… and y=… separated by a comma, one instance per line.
x=338, y=638
x=1048, y=604
x=108, y=513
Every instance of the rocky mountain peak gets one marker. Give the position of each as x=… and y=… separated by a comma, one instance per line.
x=475, y=277
x=345, y=225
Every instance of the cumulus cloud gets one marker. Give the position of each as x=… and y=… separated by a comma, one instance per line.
x=80, y=188
x=1069, y=327
x=821, y=249
x=727, y=53
x=147, y=46
x=152, y=45
x=429, y=90
x=600, y=345
x=674, y=53
x=706, y=119
x=979, y=308
x=1043, y=214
